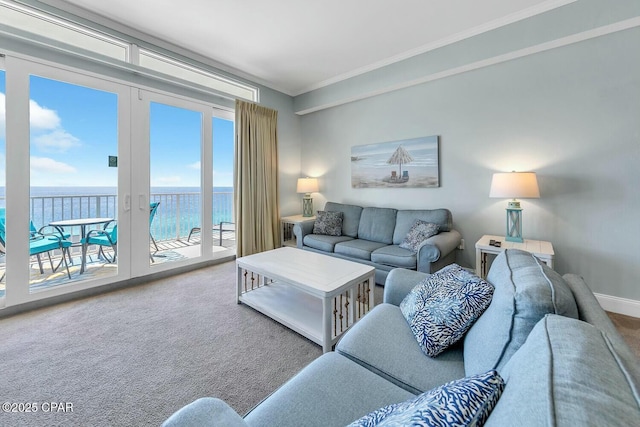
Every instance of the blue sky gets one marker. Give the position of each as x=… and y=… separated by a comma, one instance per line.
x=74, y=130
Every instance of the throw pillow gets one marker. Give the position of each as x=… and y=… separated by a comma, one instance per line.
x=419, y=232
x=442, y=308
x=328, y=223
x=464, y=402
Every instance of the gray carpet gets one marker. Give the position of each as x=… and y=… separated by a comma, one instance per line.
x=134, y=356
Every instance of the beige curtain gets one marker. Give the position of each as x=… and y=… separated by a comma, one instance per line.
x=257, y=214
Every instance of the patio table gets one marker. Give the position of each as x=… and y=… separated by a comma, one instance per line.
x=83, y=223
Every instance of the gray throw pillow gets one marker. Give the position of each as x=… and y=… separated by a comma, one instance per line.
x=328, y=223
x=419, y=232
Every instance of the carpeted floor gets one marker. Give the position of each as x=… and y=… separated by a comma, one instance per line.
x=134, y=356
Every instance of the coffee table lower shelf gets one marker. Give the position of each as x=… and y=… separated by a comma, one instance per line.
x=309, y=315
x=290, y=306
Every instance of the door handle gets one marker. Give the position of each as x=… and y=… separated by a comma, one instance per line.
x=142, y=202
x=127, y=202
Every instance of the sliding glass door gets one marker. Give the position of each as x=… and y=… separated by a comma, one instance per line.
x=89, y=198
x=74, y=183
x=223, y=163
x=169, y=179
x=66, y=207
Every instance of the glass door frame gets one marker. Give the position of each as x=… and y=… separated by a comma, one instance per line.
x=18, y=72
x=140, y=177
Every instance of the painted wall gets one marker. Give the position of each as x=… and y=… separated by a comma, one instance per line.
x=289, y=149
x=571, y=114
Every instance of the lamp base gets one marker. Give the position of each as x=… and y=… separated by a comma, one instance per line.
x=514, y=225
x=307, y=206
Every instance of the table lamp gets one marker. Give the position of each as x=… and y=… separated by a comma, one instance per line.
x=514, y=185
x=307, y=186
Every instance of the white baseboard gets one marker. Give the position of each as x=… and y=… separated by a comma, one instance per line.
x=628, y=307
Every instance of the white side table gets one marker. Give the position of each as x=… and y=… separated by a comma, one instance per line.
x=541, y=249
x=287, y=238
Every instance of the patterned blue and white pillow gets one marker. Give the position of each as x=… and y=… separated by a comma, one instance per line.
x=442, y=308
x=419, y=232
x=328, y=223
x=464, y=402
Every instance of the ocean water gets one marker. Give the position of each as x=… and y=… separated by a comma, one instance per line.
x=177, y=214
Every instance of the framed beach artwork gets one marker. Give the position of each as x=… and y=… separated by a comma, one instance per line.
x=409, y=163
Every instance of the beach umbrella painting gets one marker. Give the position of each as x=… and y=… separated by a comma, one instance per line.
x=399, y=157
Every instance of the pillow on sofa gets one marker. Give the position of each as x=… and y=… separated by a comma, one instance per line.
x=467, y=401
x=442, y=307
x=419, y=232
x=568, y=373
x=328, y=223
x=525, y=291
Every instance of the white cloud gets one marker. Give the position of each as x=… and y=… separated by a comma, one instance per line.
x=194, y=165
x=42, y=117
x=46, y=165
x=58, y=140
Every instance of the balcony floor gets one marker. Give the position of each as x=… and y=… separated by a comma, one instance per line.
x=168, y=250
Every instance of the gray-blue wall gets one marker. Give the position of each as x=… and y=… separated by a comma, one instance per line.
x=571, y=113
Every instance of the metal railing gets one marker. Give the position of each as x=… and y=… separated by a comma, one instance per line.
x=177, y=213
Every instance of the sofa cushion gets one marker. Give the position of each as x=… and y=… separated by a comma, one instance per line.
x=350, y=217
x=567, y=373
x=442, y=307
x=205, y=412
x=377, y=224
x=407, y=217
x=382, y=342
x=463, y=402
x=357, y=248
x=525, y=291
x=328, y=223
x=323, y=242
x=419, y=232
x=394, y=256
x=330, y=391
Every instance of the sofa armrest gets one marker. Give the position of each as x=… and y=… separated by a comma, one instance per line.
x=399, y=282
x=300, y=230
x=436, y=247
x=589, y=309
x=207, y=411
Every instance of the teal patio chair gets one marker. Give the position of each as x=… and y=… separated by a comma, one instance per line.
x=107, y=237
x=40, y=243
x=153, y=207
x=58, y=233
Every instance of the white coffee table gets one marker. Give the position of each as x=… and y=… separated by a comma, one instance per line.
x=318, y=296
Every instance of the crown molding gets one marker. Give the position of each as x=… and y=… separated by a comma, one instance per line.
x=520, y=53
x=489, y=26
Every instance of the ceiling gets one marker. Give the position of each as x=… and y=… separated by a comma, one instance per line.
x=299, y=45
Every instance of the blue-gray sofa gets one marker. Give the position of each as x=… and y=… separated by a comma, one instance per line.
x=372, y=236
x=563, y=362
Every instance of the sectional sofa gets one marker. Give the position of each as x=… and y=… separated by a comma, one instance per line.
x=372, y=236
x=562, y=361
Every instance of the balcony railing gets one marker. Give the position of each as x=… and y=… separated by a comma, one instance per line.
x=177, y=213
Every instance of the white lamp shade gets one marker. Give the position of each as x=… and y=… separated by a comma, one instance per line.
x=514, y=185
x=307, y=185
